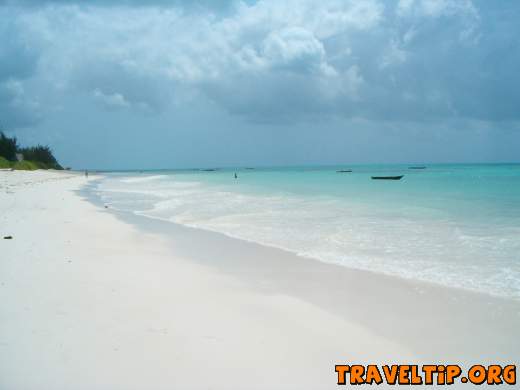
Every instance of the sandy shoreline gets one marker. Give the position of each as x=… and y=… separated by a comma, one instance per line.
x=95, y=299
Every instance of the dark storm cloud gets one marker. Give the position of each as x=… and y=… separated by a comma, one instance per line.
x=18, y=62
x=16, y=59
x=269, y=62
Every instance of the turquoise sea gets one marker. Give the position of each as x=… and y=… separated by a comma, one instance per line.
x=455, y=225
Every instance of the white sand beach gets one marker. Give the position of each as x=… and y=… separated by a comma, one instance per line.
x=93, y=299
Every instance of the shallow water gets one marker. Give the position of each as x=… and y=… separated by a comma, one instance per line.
x=457, y=225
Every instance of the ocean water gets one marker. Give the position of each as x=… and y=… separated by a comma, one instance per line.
x=455, y=225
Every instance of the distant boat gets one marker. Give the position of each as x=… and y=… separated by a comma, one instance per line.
x=208, y=170
x=387, y=177
x=416, y=167
x=344, y=170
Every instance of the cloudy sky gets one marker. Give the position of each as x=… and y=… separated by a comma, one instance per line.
x=160, y=84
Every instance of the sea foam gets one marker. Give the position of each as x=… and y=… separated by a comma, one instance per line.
x=428, y=229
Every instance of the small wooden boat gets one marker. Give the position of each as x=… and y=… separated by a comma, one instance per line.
x=416, y=167
x=344, y=170
x=387, y=177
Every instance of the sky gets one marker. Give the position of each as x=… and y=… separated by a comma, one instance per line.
x=134, y=84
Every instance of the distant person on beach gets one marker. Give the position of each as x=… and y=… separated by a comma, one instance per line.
x=236, y=177
x=86, y=174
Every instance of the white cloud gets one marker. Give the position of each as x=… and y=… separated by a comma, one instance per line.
x=115, y=100
x=287, y=59
x=465, y=10
x=394, y=54
x=436, y=8
x=195, y=49
x=294, y=48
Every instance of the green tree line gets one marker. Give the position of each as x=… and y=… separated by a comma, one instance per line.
x=34, y=157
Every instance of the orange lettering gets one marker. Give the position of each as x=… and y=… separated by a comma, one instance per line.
x=404, y=370
x=441, y=375
x=416, y=379
x=373, y=375
x=342, y=373
x=356, y=375
x=477, y=374
x=390, y=374
x=452, y=372
x=510, y=375
x=428, y=372
x=493, y=375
